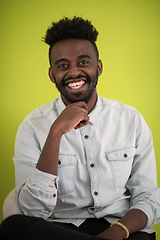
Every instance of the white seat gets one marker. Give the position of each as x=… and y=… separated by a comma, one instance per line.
x=10, y=205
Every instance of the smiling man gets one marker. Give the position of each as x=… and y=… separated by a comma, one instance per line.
x=85, y=165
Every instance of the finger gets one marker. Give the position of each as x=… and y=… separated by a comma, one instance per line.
x=83, y=111
x=83, y=123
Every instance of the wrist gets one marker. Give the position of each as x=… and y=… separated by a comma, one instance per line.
x=55, y=131
x=114, y=232
x=121, y=229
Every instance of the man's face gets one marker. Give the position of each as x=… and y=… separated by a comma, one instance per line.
x=75, y=70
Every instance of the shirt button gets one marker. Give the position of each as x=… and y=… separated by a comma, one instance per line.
x=86, y=136
x=92, y=208
x=96, y=193
x=59, y=162
x=125, y=155
x=54, y=195
x=92, y=165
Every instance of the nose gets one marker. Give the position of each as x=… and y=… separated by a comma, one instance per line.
x=73, y=71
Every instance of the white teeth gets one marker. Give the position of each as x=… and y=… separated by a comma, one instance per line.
x=76, y=85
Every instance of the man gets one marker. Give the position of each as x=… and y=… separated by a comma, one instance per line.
x=83, y=161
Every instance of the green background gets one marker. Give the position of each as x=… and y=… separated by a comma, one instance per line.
x=129, y=45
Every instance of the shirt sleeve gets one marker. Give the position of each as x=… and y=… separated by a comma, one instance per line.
x=142, y=183
x=36, y=190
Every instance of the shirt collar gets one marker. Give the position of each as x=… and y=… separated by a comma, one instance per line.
x=93, y=115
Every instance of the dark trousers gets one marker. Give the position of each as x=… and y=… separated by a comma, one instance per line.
x=20, y=227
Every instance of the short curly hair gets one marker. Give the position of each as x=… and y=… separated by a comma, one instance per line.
x=76, y=28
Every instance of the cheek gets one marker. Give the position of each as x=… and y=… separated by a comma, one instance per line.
x=58, y=77
x=94, y=73
x=89, y=71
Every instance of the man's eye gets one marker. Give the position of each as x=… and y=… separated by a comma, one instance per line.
x=62, y=66
x=83, y=62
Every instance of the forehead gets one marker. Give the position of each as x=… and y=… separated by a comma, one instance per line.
x=72, y=48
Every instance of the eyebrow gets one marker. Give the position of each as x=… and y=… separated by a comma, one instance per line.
x=60, y=60
x=65, y=59
x=84, y=56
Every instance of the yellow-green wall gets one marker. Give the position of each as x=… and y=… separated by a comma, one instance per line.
x=129, y=45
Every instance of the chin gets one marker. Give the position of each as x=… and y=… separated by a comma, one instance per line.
x=79, y=98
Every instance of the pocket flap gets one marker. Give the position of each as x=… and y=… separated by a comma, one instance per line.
x=65, y=160
x=121, y=155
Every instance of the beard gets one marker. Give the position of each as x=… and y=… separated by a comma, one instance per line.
x=80, y=96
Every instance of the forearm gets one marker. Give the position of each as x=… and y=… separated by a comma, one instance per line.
x=134, y=220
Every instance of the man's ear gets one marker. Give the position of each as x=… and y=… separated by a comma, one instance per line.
x=100, y=67
x=51, y=75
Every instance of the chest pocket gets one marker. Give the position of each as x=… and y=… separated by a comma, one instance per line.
x=66, y=173
x=121, y=164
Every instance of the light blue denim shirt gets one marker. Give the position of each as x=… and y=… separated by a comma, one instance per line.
x=105, y=168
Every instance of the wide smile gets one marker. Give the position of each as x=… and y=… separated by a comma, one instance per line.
x=76, y=85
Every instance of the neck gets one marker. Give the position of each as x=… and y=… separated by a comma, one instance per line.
x=92, y=102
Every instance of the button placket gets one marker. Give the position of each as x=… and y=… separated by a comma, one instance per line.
x=91, y=166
